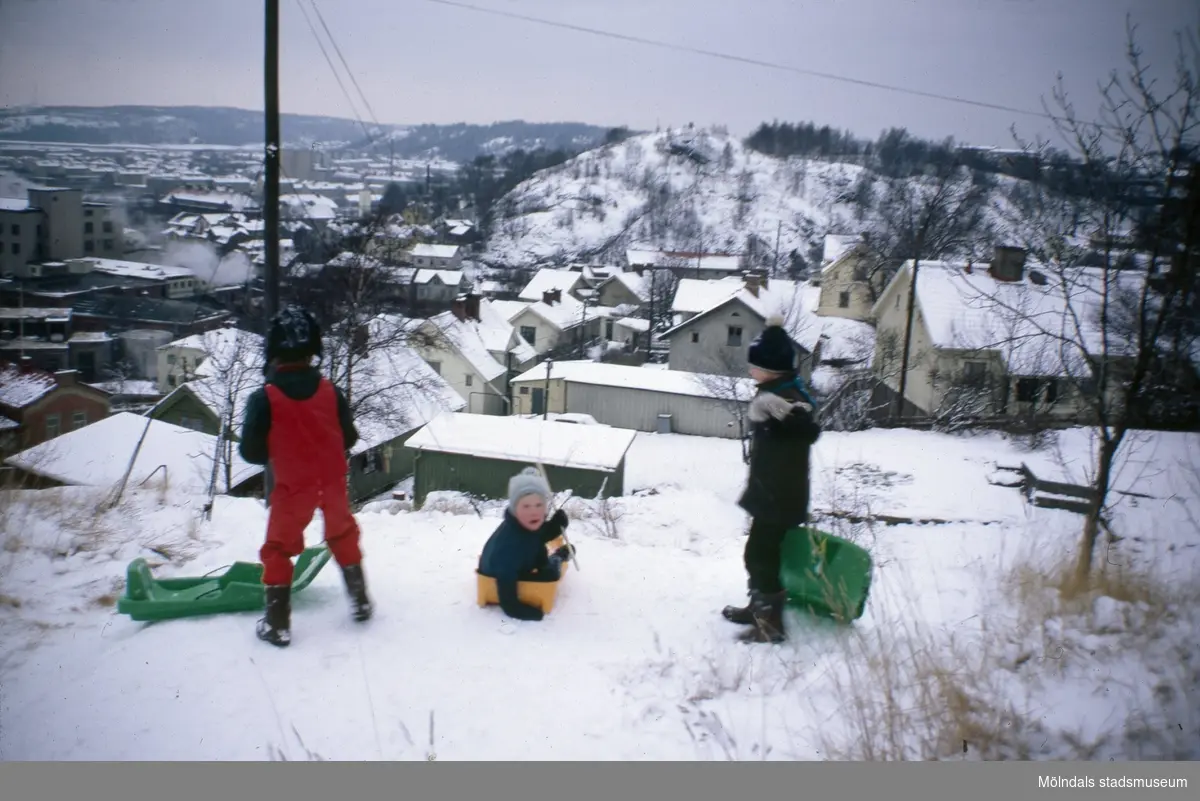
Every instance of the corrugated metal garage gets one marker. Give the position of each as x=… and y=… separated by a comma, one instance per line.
x=642, y=398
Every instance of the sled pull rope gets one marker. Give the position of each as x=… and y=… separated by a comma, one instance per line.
x=570, y=547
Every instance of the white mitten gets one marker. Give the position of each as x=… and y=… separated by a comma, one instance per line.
x=768, y=404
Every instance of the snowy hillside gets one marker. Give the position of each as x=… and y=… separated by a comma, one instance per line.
x=962, y=647
x=675, y=190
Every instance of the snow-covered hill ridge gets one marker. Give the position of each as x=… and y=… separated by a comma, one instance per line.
x=683, y=190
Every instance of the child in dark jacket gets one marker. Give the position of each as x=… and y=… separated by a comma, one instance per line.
x=517, y=550
x=300, y=424
x=783, y=428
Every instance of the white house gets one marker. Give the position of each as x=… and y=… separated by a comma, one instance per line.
x=547, y=281
x=475, y=350
x=439, y=257
x=987, y=330
x=663, y=401
x=200, y=355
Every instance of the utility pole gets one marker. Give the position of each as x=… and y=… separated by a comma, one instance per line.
x=271, y=189
x=546, y=400
x=778, y=232
x=912, y=302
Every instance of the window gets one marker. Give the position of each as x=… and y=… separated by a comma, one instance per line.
x=436, y=366
x=89, y=246
x=524, y=390
x=974, y=372
x=108, y=244
x=843, y=300
x=528, y=333
x=53, y=426
x=171, y=380
x=86, y=212
x=734, y=336
x=1027, y=390
x=78, y=420
x=87, y=227
x=1051, y=395
x=170, y=358
x=107, y=226
x=16, y=248
x=16, y=230
x=470, y=379
x=695, y=336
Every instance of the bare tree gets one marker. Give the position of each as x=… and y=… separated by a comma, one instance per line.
x=1121, y=332
x=229, y=373
x=728, y=388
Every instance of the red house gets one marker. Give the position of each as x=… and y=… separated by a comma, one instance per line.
x=37, y=405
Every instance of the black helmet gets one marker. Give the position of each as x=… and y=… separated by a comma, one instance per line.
x=293, y=336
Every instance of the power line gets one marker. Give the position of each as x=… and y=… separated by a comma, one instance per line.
x=333, y=69
x=745, y=60
x=338, y=50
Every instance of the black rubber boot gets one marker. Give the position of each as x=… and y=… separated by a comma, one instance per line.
x=356, y=586
x=767, y=613
x=742, y=615
x=276, y=627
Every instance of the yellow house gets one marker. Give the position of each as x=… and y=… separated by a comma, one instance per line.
x=846, y=285
x=980, y=343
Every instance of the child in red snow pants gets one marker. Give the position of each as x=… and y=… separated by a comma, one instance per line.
x=300, y=424
x=305, y=443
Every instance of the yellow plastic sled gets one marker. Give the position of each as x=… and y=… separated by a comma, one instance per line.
x=540, y=594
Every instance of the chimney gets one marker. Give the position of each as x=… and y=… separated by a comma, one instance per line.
x=26, y=364
x=1008, y=263
x=66, y=378
x=471, y=306
x=753, y=283
x=360, y=340
x=552, y=296
x=459, y=308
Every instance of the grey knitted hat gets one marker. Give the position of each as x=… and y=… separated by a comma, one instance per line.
x=528, y=482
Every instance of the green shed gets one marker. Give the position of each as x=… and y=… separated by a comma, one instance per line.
x=477, y=454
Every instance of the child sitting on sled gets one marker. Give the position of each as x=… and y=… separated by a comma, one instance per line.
x=517, y=550
x=300, y=423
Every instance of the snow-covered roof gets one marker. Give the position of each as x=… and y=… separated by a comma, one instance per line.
x=672, y=382
x=128, y=386
x=523, y=440
x=639, y=285
x=14, y=204
x=434, y=251
x=228, y=351
x=137, y=269
x=98, y=454
x=795, y=301
x=478, y=341
x=50, y=313
x=448, y=277
x=18, y=390
x=509, y=309
x=565, y=314
x=695, y=295
x=836, y=246
x=1020, y=320
x=394, y=389
x=548, y=279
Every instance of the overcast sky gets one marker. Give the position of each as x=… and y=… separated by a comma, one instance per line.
x=418, y=61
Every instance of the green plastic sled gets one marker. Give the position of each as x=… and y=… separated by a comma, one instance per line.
x=827, y=575
x=238, y=589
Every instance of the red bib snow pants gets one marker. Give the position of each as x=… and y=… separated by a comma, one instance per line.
x=307, y=453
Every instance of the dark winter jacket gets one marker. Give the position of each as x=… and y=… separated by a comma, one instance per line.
x=783, y=428
x=513, y=552
x=298, y=382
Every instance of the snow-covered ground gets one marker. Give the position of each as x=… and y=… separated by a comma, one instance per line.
x=635, y=662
